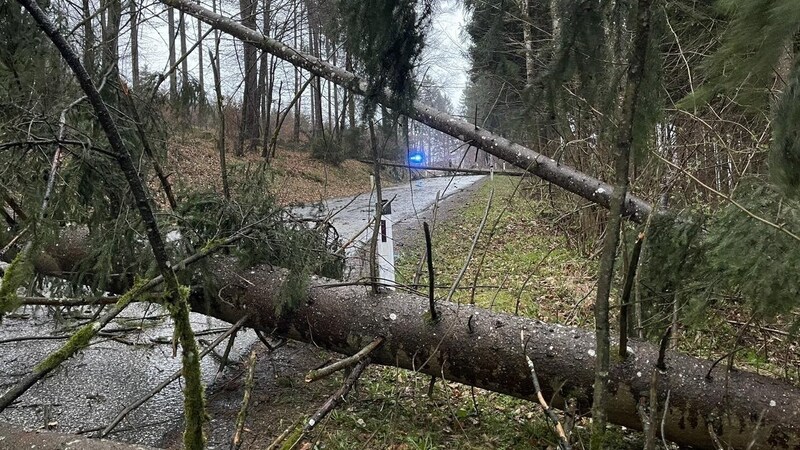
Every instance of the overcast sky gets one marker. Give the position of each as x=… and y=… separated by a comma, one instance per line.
x=446, y=50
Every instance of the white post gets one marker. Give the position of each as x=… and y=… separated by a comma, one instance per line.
x=385, y=251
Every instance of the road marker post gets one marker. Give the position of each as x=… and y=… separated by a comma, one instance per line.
x=385, y=251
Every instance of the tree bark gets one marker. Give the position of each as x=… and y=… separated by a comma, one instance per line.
x=249, y=129
x=184, y=62
x=265, y=82
x=540, y=165
x=134, y=45
x=111, y=38
x=527, y=40
x=173, y=77
x=88, y=37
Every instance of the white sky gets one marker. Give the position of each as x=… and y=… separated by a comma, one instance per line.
x=446, y=50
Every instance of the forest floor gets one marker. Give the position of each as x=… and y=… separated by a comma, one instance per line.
x=297, y=177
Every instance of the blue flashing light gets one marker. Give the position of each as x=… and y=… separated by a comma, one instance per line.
x=416, y=158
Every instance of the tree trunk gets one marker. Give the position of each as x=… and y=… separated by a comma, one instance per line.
x=173, y=78
x=185, y=61
x=134, y=45
x=480, y=348
x=540, y=165
x=527, y=39
x=351, y=101
x=111, y=38
x=297, y=80
x=265, y=83
x=88, y=37
x=200, y=72
x=250, y=127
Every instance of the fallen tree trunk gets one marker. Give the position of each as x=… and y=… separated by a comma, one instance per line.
x=480, y=348
x=476, y=347
x=540, y=165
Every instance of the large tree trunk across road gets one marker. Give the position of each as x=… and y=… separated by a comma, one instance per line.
x=540, y=165
x=480, y=348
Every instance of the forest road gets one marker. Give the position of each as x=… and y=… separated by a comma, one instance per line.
x=411, y=203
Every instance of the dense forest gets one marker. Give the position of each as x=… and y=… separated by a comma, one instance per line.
x=660, y=139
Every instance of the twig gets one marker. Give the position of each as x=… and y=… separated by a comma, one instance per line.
x=760, y=328
x=373, y=246
x=175, y=375
x=334, y=400
x=224, y=361
x=423, y=258
x=714, y=437
x=664, y=419
x=44, y=301
x=755, y=430
x=489, y=240
x=284, y=435
x=551, y=415
x=431, y=285
x=730, y=200
x=236, y=442
x=718, y=360
x=319, y=374
x=531, y=272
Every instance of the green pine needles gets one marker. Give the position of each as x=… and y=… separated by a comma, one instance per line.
x=19, y=272
x=698, y=259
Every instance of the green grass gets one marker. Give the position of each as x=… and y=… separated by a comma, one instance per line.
x=526, y=267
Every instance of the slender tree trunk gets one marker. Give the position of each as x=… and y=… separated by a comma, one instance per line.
x=173, y=77
x=351, y=101
x=527, y=39
x=185, y=61
x=297, y=80
x=111, y=38
x=88, y=37
x=332, y=87
x=200, y=72
x=134, y=44
x=249, y=129
x=265, y=82
x=315, y=47
x=223, y=167
x=624, y=141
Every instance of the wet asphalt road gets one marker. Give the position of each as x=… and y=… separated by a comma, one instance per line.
x=352, y=214
x=91, y=388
